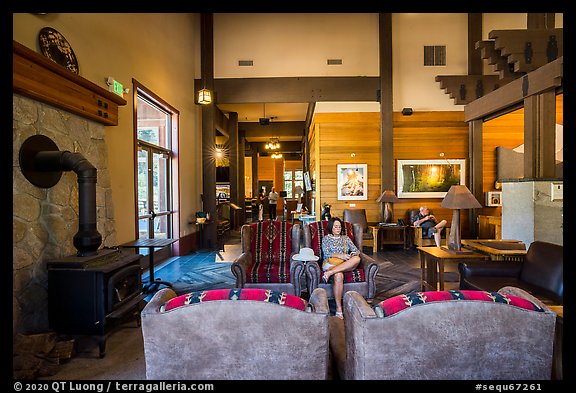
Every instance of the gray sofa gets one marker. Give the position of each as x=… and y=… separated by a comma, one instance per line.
x=236, y=339
x=451, y=339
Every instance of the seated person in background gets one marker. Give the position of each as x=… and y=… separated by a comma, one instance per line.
x=430, y=227
x=340, y=255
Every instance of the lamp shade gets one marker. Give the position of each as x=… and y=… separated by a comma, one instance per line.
x=388, y=196
x=298, y=190
x=460, y=197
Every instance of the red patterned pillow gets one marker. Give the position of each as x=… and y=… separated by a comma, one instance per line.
x=264, y=295
x=398, y=303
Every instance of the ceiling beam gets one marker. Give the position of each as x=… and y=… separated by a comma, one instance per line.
x=274, y=129
x=294, y=89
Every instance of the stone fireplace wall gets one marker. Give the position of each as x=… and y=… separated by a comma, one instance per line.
x=44, y=221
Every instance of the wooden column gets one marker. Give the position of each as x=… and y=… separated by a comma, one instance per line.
x=386, y=107
x=255, y=190
x=208, y=131
x=234, y=158
x=241, y=184
x=540, y=135
x=476, y=170
x=474, y=36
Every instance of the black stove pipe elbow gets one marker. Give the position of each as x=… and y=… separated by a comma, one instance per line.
x=87, y=240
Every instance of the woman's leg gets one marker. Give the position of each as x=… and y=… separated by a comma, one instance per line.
x=338, y=289
x=345, y=266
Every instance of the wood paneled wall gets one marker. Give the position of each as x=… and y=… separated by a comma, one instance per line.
x=425, y=136
x=346, y=138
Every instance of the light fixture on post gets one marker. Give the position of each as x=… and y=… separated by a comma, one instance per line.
x=388, y=197
x=458, y=197
x=204, y=96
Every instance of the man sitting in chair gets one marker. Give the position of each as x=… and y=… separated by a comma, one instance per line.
x=430, y=227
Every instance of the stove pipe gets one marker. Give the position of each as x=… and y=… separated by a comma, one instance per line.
x=52, y=162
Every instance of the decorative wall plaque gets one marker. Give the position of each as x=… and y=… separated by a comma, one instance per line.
x=55, y=47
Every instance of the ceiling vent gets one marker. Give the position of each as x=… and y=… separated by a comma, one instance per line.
x=245, y=63
x=435, y=55
x=334, y=61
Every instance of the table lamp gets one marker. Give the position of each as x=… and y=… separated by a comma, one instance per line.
x=458, y=197
x=299, y=191
x=388, y=197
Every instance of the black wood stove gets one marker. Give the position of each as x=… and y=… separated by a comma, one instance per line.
x=91, y=292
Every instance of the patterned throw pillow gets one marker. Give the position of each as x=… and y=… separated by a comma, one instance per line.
x=398, y=303
x=264, y=295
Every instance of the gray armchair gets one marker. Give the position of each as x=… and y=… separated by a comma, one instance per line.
x=266, y=260
x=486, y=339
x=358, y=216
x=362, y=279
x=257, y=337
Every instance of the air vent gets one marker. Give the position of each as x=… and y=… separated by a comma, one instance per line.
x=334, y=61
x=245, y=63
x=435, y=55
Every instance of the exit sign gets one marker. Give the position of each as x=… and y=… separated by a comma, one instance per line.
x=118, y=88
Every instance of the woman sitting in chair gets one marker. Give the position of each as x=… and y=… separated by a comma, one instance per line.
x=340, y=255
x=427, y=221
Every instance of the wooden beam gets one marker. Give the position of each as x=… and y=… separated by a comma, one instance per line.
x=544, y=78
x=474, y=35
x=278, y=129
x=540, y=135
x=294, y=89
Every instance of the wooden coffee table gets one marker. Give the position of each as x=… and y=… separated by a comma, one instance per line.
x=498, y=250
x=432, y=264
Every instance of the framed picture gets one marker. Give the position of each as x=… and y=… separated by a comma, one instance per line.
x=307, y=182
x=428, y=178
x=352, y=182
x=493, y=198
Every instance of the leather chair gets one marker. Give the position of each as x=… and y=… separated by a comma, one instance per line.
x=432, y=336
x=266, y=259
x=362, y=279
x=220, y=334
x=541, y=273
x=358, y=216
x=419, y=238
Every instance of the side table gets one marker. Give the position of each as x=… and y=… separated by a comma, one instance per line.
x=393, y=234
x=432, y=265
x=151, y=244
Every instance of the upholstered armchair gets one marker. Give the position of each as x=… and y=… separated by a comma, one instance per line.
x=462, y=335
x=362, y=279
x=358, y=216
x=266, y=259
x=238, y=333
x=421, y=239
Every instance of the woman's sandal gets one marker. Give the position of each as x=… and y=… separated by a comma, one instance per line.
x=325, y=277
x=339, y=314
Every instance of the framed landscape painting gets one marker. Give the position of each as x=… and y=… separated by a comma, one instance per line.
x=428, y=178
x=352, y=182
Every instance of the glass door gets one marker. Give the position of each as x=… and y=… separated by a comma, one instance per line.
x=154, y=172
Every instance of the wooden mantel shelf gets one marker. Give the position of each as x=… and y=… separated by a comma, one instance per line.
x=35, y=76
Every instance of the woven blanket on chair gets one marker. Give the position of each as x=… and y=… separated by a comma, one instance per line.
x=271, y=247
x=318, y=232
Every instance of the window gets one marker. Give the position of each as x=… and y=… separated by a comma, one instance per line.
x=292, y=179
x=156, y=133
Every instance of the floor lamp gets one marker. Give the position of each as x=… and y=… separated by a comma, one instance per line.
x=388, y=197
x=458, y=197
